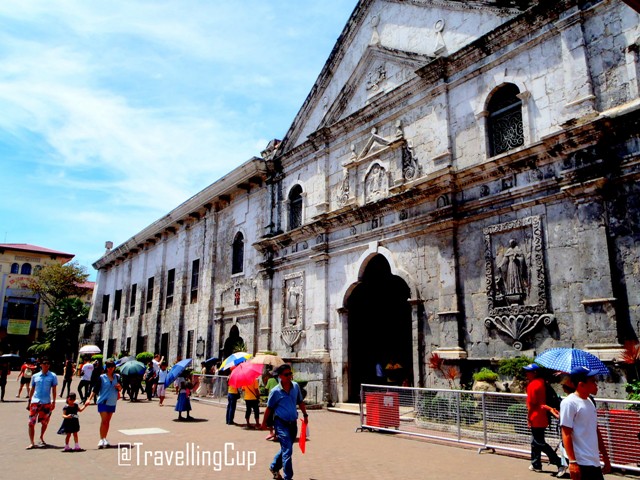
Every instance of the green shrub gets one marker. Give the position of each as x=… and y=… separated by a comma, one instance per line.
x=633, y=393
x=97, y=356
x=512, y=367
x=485, y=375
x=144, y=357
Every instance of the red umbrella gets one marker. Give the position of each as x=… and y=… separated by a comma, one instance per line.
x=245, y=374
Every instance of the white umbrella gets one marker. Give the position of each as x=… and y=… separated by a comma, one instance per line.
x=89, y=349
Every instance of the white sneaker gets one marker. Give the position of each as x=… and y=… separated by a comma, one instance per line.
x=534, y=469
x=106, y=443
x=101, y=443
x=562, y=470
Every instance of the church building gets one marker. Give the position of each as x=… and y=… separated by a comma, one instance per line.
x=462, y=179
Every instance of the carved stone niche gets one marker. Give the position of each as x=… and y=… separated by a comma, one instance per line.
x=292, y=309
x=516, y=279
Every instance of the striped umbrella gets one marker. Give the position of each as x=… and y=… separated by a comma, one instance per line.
x=234, y=359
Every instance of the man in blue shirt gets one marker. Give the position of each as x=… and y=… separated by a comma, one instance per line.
x=42, y=401
x=283, y=401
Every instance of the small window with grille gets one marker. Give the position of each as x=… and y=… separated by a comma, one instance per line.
x=505, y=120
x=295, y=207
x=237, y=262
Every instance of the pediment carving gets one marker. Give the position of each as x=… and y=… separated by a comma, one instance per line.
x=381, y=164
x=380, y=70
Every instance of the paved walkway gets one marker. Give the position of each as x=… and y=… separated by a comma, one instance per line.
x=334, y=451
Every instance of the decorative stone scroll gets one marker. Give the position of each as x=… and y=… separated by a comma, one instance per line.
x=516, y=279
x=291, y=336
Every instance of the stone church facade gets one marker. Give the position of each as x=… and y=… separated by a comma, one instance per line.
x=462, y=180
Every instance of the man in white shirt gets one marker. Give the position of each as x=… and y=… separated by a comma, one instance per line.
x=581, y=437
x=157, y=360
x=84, y=387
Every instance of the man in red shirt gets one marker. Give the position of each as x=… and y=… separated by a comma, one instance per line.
x=538, y=420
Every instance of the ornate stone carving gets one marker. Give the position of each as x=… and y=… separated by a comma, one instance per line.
x=293, y=293
x=376, y=183
x=376, y=77
x=343, y=194
x=516, y=279
x=410, y=165
x=291, y=335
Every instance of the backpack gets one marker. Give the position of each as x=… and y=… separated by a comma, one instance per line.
x=28, y=373
x=552, y=399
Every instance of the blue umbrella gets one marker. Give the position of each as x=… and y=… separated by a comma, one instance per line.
x=211, y=360
x=566, y=359
x=132, y=367
x=176, y=370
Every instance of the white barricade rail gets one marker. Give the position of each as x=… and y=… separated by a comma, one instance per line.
x=490, y=420
x=213, y=388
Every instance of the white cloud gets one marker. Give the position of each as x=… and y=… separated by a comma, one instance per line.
x=116, y=112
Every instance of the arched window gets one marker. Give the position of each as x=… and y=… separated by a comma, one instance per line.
x=15, y=268
x=295, y=207
x=26, y=269
x=238, y=254
x=505, y=120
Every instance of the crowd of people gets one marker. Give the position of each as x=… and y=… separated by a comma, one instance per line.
x=104, y=386
x=579, y=455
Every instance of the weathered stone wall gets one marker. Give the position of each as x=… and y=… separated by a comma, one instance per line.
x=391, y=152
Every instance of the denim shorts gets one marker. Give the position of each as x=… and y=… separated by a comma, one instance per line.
x=103, y=407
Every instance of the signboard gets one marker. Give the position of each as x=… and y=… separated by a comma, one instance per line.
x=18, y=327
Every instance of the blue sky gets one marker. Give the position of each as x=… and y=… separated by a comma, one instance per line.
x=113, y=113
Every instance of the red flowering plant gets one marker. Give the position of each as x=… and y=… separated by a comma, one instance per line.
x=631, y=357
x=449, y=372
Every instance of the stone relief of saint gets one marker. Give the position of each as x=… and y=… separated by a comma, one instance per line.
x=293, y=304
x=374, y=184
x=513, y=274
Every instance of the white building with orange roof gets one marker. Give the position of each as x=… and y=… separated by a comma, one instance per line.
x=23, y=314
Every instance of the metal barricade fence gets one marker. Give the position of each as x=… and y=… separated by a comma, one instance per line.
x=490, y=420
x=213, y=388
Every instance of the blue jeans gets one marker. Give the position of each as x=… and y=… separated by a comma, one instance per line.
x=287, y=433
x=232, y=399
x=539, y=445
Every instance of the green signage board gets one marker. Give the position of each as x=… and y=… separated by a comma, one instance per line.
x=18, y=327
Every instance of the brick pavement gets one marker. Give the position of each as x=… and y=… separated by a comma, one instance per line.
x=334, y=451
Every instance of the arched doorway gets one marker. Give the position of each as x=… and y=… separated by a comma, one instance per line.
x=379, y=325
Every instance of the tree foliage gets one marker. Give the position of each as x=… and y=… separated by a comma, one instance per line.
x=63, y=327
x=56, y=282
x=59, y=287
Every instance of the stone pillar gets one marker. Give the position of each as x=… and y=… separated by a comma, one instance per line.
x=340, y=354
x=598, y=302
x=417, y=342
x=319, y=298
x=265, y=341
x=578, y=88
x=633, y=68
x=448, y=310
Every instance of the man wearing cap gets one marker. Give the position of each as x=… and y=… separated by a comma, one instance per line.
x=580, y=433
x=42, y=402
x=538, y=419
x=283, y=400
